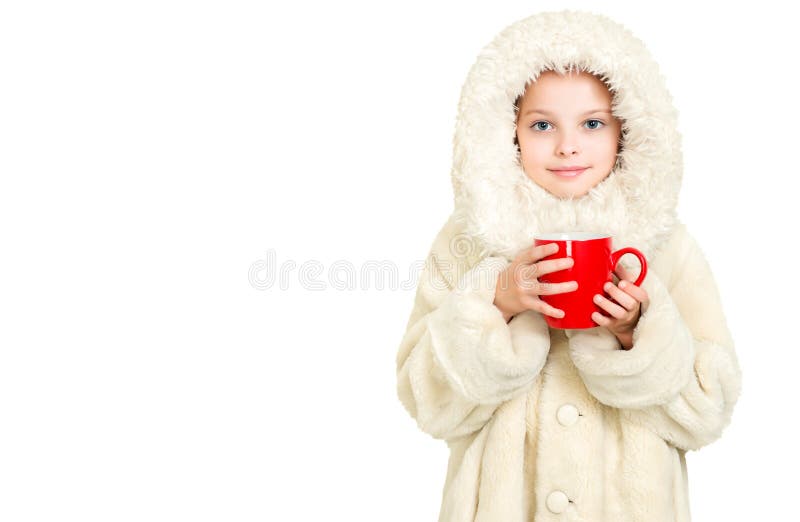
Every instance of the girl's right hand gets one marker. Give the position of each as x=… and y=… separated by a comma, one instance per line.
x=518, y=287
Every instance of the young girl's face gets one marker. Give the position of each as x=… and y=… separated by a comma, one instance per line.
x=566, y=121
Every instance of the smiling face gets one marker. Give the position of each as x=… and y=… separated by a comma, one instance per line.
x=566, y=121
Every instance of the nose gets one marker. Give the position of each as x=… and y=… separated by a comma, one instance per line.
x=567, y=147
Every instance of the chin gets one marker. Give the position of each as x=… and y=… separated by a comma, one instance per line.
x=570, y=195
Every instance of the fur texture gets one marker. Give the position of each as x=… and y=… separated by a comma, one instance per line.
x=502, y=394
x=499, y=205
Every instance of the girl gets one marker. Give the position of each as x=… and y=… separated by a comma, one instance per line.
x=565, y=124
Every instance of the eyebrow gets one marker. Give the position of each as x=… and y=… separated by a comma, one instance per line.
x=547, y=113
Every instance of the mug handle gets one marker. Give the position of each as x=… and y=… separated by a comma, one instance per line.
x=615, y=257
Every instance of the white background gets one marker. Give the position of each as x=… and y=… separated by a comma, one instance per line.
x=153, y=154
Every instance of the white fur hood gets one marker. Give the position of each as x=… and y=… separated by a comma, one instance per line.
x=498, y=205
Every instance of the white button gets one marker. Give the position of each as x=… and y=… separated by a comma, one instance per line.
x=557, y=501
x=567, y=414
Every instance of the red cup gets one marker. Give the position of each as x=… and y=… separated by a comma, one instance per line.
x=594, y=266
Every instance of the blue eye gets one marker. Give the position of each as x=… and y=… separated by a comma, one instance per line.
x=536, y=125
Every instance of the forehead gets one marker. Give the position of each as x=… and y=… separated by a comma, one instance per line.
x=571, y=89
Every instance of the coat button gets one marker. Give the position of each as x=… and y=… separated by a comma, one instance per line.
x=567, y=415
x=557, y=501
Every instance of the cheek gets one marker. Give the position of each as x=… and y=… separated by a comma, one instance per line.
x=533, y=151
x=606, y=150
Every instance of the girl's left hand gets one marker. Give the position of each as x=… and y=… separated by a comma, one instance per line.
x=624, y=307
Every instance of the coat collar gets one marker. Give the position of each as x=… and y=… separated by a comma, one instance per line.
x=499, y=206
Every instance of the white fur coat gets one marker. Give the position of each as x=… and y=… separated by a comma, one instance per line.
x=545, y=424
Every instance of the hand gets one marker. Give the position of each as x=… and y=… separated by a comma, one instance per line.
x=518, y=287
x=625, y=307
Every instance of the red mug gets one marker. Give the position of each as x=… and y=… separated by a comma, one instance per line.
x=594, y=266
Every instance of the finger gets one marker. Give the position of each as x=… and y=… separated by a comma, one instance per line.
x=536, y=304
x=549, y=266
x=526, y=276
x=531, y=255
x=600, y=319
x=624, y=299
x=538, y=288
x=637, y=292
x=613, y=308
x=624, y=274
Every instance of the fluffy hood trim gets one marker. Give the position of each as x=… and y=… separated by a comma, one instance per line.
x=501, y=207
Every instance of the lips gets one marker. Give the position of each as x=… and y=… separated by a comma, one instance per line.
x=568, y=173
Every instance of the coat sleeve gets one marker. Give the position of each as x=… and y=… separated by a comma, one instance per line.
x=459, y=359
x=681, y=378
